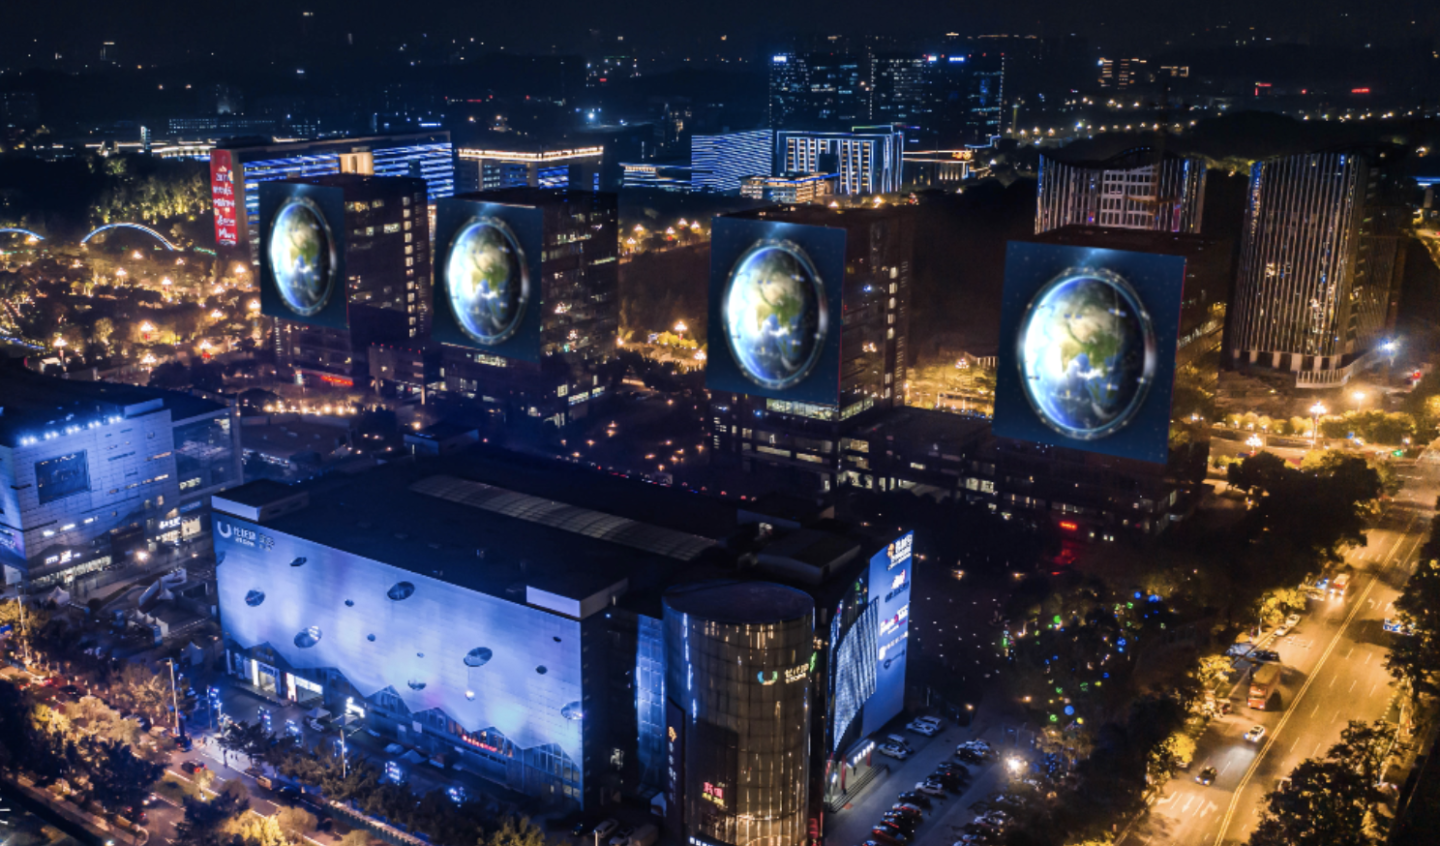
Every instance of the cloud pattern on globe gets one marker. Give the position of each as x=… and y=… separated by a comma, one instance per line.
x=775, y=313
x=301, y=254
x=486, y=281
x=1087, y=353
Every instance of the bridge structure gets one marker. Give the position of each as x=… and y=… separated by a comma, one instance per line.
x=147, y=230
x=15, y=230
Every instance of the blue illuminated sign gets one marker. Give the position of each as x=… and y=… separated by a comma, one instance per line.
x=890, y=578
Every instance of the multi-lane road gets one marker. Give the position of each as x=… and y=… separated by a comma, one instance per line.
x=1333, y=672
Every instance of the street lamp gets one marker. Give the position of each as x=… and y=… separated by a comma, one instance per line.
x=1254, y=443
x=1315, y=411
x=680, y=328
x=174, y=697
x=60, y=347
x=145, y=329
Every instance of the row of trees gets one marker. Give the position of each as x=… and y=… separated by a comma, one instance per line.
x=1372, y=425
x=361, y=784
x=1328, y=801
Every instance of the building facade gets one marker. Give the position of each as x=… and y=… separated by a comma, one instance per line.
x=796, y=446
x=237, y=170
x=1137, y=189
x=737, y=705
x=658, y=175
x=387, y=282
x=580, y=289
x=828, y=90
x=1319, y=267
x=97, y=476
x=865, y=160
x=536, y=167
x=789, y=188
x=720, y=162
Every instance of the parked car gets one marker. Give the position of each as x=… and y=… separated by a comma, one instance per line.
x=1206, y=776
x=1265, y=656
x=930, y=790
x=919, y=800
x=893, y=751
x=621, y=835
x=905, y=825
x=288, y=792
x=934, y=721
x=1255, y=734
x=190, y=767
x=927, y=729
x=184, y=743
x=906, y=808
x=1292, y=621
x=581, y=828
x=606, y=828
x=888, y=835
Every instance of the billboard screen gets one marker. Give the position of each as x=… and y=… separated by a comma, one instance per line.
x=487, y=277
x=302, y=254
x=890, y=579
x=62, y=476
x=1087, y=349
x=774, y=324
x=222, y=193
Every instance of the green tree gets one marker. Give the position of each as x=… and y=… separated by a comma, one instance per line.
x=296, y=823
x=204, y=821
x=514, y=832
x=1415, y=659
x=358, y=837
x=1326, y=802
x=119, y=778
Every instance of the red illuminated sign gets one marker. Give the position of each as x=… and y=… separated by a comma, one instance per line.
x=1069, y=525
x=1359, y=90
x=222, y=192
x=337, y=380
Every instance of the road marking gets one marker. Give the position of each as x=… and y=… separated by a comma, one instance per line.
x=1314, y=674
x=1317, y=707
x=1224, y=768
x=1332, y=681
x=1367, y=659
x=1316, y=753
x=1352, y=685
x=1372, y=688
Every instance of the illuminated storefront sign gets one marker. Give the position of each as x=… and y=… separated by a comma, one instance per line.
x=222, y=193
x=890, y=581
x=243, y=536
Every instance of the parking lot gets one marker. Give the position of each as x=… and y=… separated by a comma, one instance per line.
x=945, y=821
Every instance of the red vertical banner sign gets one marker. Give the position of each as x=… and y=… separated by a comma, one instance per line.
x=222, y=191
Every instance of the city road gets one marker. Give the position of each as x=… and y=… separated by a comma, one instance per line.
x=1333, y=673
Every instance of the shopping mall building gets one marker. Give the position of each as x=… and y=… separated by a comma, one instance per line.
x=521, y=621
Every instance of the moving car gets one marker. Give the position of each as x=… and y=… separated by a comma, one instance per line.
x=1255, y=734
x=1266, y=656
x=893, y=751
x=1206, y=776
x=1292, y=621
x=191, y=766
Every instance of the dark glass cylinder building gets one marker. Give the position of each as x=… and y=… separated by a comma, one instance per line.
x=739, y=660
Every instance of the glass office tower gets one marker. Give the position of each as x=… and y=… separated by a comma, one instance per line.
x=738, y=661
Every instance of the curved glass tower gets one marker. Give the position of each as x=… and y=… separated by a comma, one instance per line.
x=739, y=659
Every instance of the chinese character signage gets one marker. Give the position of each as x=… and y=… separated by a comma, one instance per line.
x=222, y=191
x=890, y=579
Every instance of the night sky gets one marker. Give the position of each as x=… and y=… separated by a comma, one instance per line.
x=165, y=30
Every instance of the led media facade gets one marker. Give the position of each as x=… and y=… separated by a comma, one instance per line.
x=1087, y=349
x=444, y=668
x=487, y=277
x=302, y=254
x=890, y=579
x=775, y=305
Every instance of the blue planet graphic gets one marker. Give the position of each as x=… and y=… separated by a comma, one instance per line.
x=1087, y=353
x=775, y=314
x=486, y=281
x=302, y=256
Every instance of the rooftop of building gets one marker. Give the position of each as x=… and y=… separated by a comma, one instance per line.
x=947, y=432
x=815, y=215
x=364, y=183
x=1138, y=240
x=729, y=601
x=527, y=195
x=1103, y=155
x=250, y=146
x=32, y=405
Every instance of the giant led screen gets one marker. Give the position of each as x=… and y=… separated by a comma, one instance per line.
x=487, y=277
x=774, y=323
x=891, y=573
x=488, y=664
x=1087, y=349
x=302, y=254
x=61, y=476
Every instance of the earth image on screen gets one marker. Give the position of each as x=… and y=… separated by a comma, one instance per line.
x=486, y=280
x=1087, y=353
x=302, y=257
x=775, y=314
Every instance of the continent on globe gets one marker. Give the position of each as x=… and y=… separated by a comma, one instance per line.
x=774, y=314
x=486, y=281
x=300, y=261
x=1086, y=353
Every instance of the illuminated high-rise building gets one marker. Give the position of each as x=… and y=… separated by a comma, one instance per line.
x=237, y=169
x=720, y=162
x=829, y=90
x=579, y=290
x=797, y=445
x=387, y=268
x=865, y=160
x=1320, y=263
x=528, y=166
x=1138, y=189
